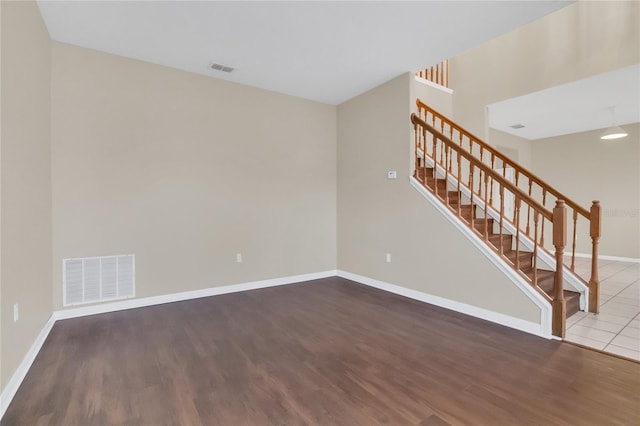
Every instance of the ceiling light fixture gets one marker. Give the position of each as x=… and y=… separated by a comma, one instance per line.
x=613, y=132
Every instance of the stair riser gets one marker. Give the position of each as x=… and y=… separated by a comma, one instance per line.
x=525, y=259
x=507, y=242
x=482, y=224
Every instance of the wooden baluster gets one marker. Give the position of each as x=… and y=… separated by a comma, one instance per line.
x=447, y=75
x=529, y=209
x=493, y=161
x=416, y=141
x=501, y=215
x=434, y=149
x=535, y=247
x=459, y=193
x=451, y=139
x=437, y=74
x=559, y=305
x=544, y=204
x=575, y=236
x=446, y=174
x=424, y=157
x=595, y=232
x=516, y=184
x=481, y=152
x=471, y=186
x=486, y=216
x=517, y=223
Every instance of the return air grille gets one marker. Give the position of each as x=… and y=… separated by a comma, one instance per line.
x=220, y=67
x=98, y=279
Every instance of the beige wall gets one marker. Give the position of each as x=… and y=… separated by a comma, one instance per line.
x=185, y=171
x=26, y=181
x=509, y=145
x=578, y=41
x=589, y=169
x=378, y=216
x=581, y=40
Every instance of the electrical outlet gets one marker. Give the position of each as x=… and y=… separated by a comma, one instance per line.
x=239, y=257
x=392, y=174
x=388, y=257
x=16, y=312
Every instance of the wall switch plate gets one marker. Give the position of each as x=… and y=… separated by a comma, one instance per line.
x=392, y=174
x=239, y=257
x=16, y=313
x=388, y=257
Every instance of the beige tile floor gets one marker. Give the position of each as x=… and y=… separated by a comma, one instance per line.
x=616, y=328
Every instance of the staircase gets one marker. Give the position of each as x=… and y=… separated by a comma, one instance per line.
x=469, y=214
x=511, y=216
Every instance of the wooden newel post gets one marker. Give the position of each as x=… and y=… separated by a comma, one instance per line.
x=559, y=241
x=594, y=282
x=416, y=143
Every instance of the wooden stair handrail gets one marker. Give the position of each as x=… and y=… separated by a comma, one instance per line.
x=557, y=217
x=488, y=170
x=532, y=177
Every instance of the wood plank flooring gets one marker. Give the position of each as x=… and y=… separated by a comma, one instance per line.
x=325, y=352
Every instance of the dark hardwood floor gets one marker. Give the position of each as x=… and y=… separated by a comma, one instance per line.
x=321, y=353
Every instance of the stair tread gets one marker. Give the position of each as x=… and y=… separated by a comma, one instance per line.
x=545, y=278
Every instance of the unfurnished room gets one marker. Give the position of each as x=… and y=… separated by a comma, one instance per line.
x=319, y=213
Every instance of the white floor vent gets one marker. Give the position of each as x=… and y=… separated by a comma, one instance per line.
x=98, y=279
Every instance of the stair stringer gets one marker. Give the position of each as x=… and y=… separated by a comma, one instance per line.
x=569, y=277
x=525, y=287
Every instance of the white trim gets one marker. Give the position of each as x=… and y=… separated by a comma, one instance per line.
x=615, y=258
x=18, y=376
x=186, y=295
x=517, y=323
x=530, y=292
x=16, y=380
x=434, y=85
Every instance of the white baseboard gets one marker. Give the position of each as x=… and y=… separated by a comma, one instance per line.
x=186, y=295
x=616, y=258
x=519, y=324
x=526, y=288
x=16, y=380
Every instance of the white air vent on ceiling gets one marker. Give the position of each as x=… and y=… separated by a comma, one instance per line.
x=220, y=67
x=98, y=279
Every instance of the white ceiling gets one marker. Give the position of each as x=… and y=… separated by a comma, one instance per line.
x=324, y=51
x=574, y=107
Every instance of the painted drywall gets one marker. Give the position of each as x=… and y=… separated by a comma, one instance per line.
x=185, y=171
x=25, y=252
x=509, y=144
x=590, y=169
x=578, y=41
x=377, y=216
x=436, y=98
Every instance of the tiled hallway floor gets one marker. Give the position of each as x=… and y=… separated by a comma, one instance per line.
x=616, y=328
